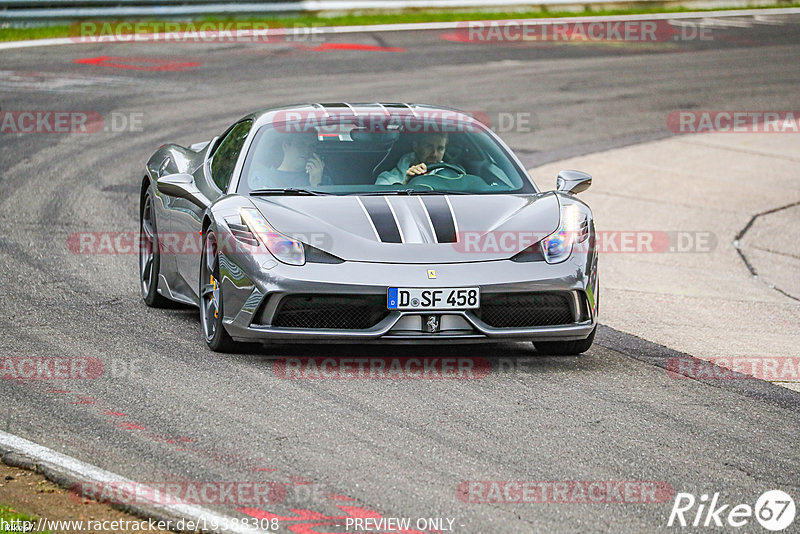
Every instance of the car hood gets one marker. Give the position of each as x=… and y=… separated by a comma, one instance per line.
x=415, y=229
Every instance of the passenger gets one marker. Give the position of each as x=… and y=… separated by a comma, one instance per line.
x=300, y=167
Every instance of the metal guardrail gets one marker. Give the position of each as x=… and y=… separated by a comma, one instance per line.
x=15, y=10
x=40, y=11
x=387, y=4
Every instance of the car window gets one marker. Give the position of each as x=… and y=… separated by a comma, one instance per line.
x=371, y=157
x=224, y=159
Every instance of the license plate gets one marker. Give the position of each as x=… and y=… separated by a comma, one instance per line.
x=447, y=298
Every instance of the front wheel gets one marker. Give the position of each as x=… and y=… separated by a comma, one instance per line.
x=559, y=348
x=214, y=333
x=149, y=256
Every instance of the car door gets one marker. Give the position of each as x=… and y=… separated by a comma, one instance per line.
x=212, y=179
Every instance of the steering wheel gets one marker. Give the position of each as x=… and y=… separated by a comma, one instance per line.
x=433, y=167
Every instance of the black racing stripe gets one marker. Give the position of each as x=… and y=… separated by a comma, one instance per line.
x=441, y=218
x=382, y=218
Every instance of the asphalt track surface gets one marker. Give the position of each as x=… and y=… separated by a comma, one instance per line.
x=167, y=409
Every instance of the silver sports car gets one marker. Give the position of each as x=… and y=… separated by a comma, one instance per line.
x=367, y=223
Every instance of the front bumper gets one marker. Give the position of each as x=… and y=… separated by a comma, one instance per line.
x=250, y=302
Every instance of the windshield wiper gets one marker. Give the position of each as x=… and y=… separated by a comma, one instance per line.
x=285, y=191
x=415, y=192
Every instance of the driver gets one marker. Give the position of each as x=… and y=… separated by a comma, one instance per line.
x=428, y=149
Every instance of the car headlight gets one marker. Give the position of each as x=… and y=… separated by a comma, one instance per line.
x=284, y=248
x=573, y=228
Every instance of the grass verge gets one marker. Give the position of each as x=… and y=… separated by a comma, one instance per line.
x=18, y=521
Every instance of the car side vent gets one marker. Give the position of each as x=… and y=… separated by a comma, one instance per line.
x=242, y=233
x=583, y=231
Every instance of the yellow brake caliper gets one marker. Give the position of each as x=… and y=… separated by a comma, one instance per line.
x=214, y=296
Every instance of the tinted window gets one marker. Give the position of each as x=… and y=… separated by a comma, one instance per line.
x=372, y=155
x=224, y=159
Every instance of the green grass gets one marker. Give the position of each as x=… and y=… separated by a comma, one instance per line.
x=8, y=514
x=42, y=32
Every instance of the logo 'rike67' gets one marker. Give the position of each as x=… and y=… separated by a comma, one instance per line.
x=774, y=510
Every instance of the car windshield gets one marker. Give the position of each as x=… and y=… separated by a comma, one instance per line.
x=359, y=155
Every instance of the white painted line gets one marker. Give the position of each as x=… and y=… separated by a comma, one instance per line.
x=77, y=471
x=417, y=26
x=36, y=42
x=376, y=28
x=307, y=6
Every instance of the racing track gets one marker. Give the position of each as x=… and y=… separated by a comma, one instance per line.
x=172, y=410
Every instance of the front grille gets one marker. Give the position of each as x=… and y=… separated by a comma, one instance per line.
x=348, y=312
x=520, y=310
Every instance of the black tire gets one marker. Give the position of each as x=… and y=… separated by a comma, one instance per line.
x=562, y=348
x=150, y=255
x=214, y=333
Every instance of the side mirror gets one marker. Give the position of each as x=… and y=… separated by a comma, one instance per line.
x=573, y=182
x=182, y=186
